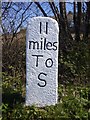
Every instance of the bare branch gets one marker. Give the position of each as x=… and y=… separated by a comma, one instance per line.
x=42, y=10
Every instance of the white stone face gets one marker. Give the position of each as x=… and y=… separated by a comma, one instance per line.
x=42, y=62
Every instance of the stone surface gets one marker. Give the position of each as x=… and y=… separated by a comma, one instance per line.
x=42, y=62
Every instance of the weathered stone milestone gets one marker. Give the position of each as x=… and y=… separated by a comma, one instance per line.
x=42, y=62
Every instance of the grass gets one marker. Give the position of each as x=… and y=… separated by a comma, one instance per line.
x=73, y=103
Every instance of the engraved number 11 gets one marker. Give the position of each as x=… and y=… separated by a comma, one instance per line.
x=46, y=30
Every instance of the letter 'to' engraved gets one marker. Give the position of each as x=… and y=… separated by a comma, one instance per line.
x=49, y=63
x=37, y=59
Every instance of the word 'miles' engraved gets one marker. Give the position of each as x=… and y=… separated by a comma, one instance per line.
x=42, y=45
x=46, y=31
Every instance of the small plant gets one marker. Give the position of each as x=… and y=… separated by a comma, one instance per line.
x=73, y=103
